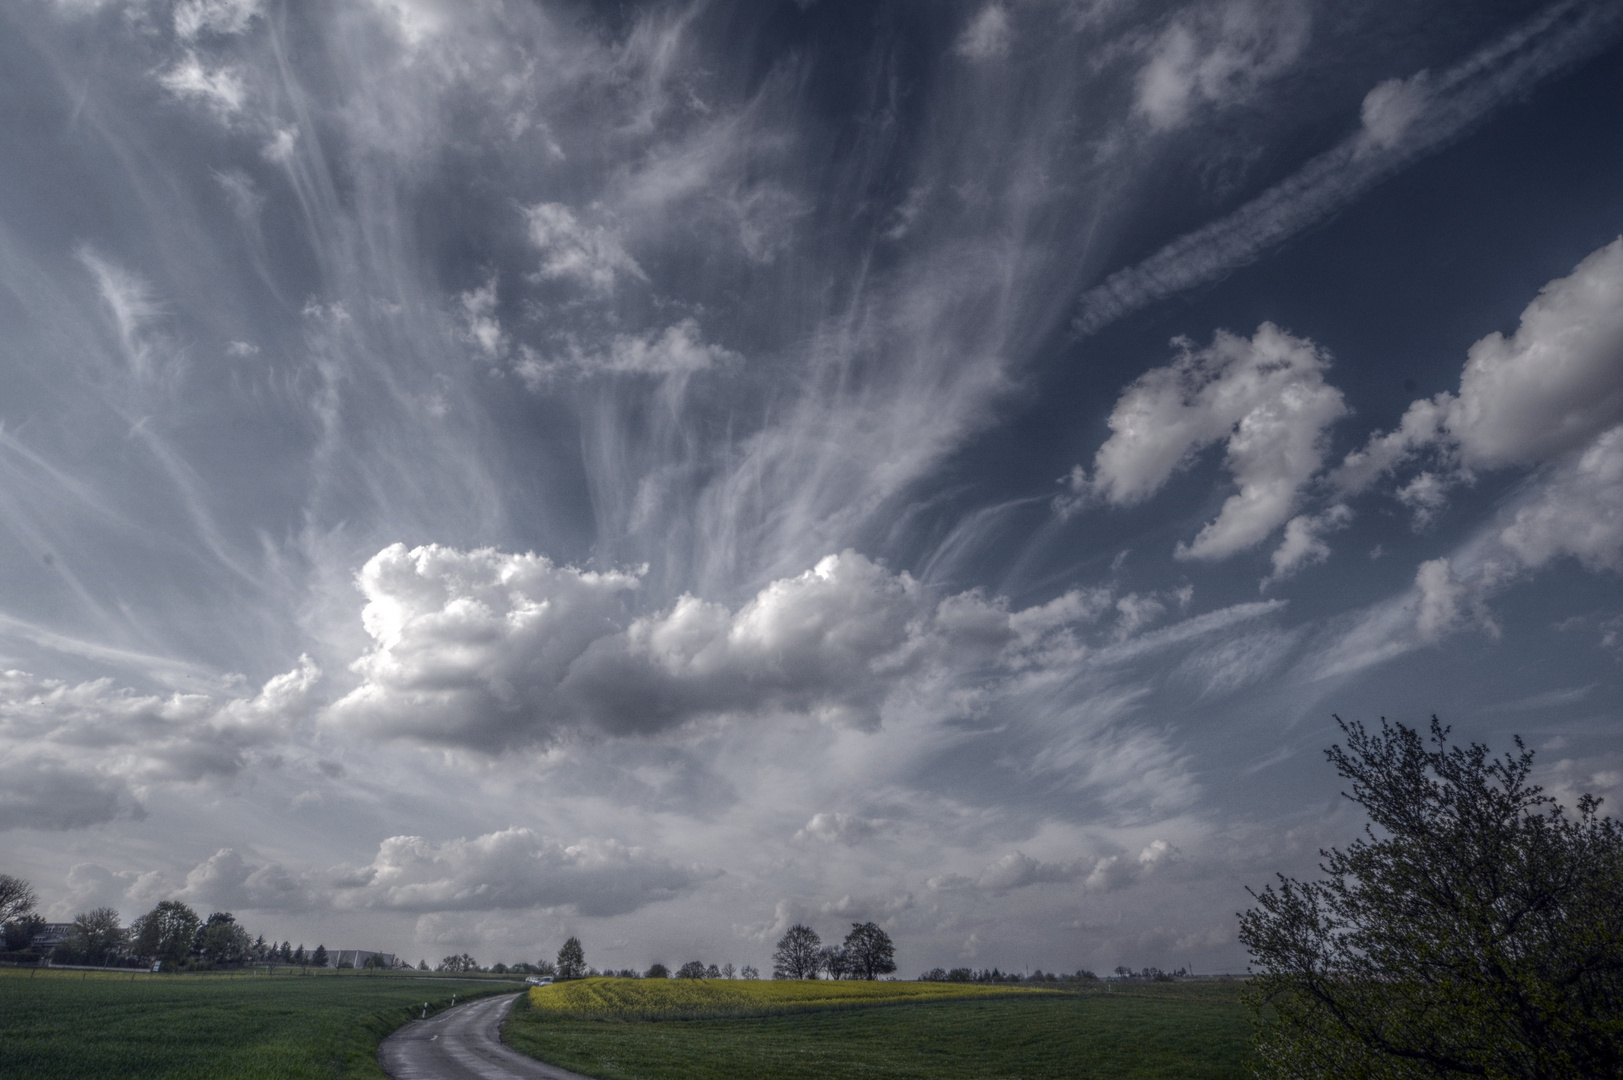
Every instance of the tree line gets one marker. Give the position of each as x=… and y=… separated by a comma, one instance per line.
x=171, y=935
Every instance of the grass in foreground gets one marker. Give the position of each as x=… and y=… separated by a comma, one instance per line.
x=77, y=1026
x=713, y=999
x=1187, y=1031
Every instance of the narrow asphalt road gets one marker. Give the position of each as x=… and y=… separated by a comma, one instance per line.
x=463, y=1043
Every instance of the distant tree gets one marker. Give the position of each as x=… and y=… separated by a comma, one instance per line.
x=796, y=956
x=869, y=951
x=457, y=965
x=960, y=975
x=833, y=960
x=298, y=954
x=260, y=949
x=1476, y=930
x=748, y=971
x=934, y=975
x=545, y=967
x=221, y=942
x=17, y=898
x=97, y=936
x=693, y=969
x=285, y=953
x=658, y=971
x=499, y=968
x=20, y=932
x=712, y=972
x=728, y=971
x=571, y=960
x=166, y=933
x=319, y=957
x=422, y=965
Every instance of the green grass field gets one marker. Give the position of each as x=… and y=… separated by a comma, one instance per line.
x=79, y=1026
x=1188, y=1031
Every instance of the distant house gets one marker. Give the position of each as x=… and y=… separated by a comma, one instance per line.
x=50, y=936
x=357, y=958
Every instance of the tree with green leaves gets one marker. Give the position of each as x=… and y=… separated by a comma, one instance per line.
x=658, y=971
x=17, y=898
x=869, y=952
x=97, y=936
x=222, y=942
x=798, y=955
x=572, y=960
x=166, y=933
x=1475, y=930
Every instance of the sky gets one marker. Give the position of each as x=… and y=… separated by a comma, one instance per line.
x=473, y=473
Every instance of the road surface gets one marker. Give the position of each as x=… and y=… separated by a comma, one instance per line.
x=463, y=1043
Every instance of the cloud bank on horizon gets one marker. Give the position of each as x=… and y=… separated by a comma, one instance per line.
x=473, y=474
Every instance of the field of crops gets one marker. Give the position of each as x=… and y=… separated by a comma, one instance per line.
x=694, y=999
x=74, y=1025
x=1184, y=1031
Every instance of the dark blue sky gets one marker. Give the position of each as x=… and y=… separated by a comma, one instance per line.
x=474, y=474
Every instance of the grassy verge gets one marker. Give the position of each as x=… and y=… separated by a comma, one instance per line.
x=1187, y=1031
x=198, y=1027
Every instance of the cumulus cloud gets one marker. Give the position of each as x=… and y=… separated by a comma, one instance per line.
x=1576, y=509
x=220, y=89
x=490, y=650
x=226, y=880
x=1391, y=108
x=224, y=17
x=1303, y=544
x=1264, y=398
x=1218, y=55
x=1017, y=870
x=74, y=755
x=480, y=327
x=836, y=828
x=987, y=35
x=1549, y=388
x=514, y=868
x=590, y=255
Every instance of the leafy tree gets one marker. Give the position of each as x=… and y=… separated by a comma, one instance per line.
x=97, y=936
x=693, y=969
x=319, y=957
x=869, y=952
x=19, y=933
x=166, y=933
x=748, y=971
x=456, y=965
x=658, y=971
x=712, y=972
x=1475, y=930
x=545, y=967
x=833, y=959
x=796, y=956
x=728, y=971
x=571, y=960
x=422, y=965
x=221, y=941
x=17, y=898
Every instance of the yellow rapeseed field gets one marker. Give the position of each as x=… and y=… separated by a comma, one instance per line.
x=694, y=999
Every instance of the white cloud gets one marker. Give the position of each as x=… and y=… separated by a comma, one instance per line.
x=76, y=755
x=679, y=349
x=1265, y=399
x=987, y=35
x=225, y=17
x=1576, y=509
x=1017, y=870
x=221, y=89
x=1219, y=55
x=226, y=880
x=831, y=828
x=514, y=868
x=1502, y=71
x=480, y=325
x=1303, y=544
x=1545, y=391
x=591, y=255
x=1392, y=107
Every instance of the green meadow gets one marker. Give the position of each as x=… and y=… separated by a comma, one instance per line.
x=70, y=1025
x=1178, y=1031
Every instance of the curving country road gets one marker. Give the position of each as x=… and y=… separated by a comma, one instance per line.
x=463, y=1043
